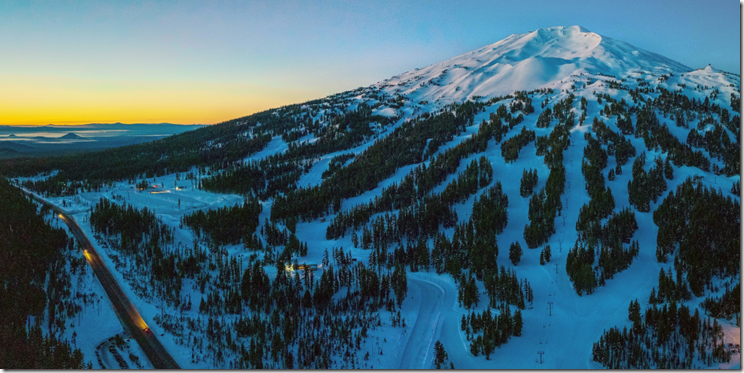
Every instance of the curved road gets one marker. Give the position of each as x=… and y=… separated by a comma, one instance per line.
x=419, y=350
x=437, y=319
x=125, y=310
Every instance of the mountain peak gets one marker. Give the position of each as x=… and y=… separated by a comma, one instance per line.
x=541, y=58
x=575, y=29
x=71, y=135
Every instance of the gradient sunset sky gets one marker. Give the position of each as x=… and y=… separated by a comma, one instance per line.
x=203, y=62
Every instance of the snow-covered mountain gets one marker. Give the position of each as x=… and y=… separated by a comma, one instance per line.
x=540, y=58
x=553, y=141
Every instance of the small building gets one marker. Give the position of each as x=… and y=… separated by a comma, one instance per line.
x=302, y=267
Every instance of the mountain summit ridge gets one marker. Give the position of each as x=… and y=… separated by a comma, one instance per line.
x=536, y=59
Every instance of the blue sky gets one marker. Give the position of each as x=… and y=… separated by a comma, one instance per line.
x=208, y=61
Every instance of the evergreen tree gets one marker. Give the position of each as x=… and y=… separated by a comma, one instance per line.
x=440, y=355
x=634, y=314
x=668, y=170
x=517, y=323
x=515, y=253
x=400, y=283
x=528, y=182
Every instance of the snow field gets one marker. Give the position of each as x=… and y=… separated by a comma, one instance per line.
x=559, y=323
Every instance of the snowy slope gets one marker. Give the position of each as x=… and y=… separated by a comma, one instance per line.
x=536, y=59
x=568, y=61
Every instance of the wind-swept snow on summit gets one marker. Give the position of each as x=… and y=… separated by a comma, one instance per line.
x=525, y=62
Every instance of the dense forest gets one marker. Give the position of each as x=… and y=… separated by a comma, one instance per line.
x=667, y=337
x=35, y=289
x=697, y=222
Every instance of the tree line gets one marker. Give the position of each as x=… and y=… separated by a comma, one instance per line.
x=34, y=287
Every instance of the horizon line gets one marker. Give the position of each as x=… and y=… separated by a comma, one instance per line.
x=104, y=123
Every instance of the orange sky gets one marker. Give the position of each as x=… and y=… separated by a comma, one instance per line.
x=34, y=100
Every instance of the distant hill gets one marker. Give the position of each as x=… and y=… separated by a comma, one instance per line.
x=71, y=135
x=16, y=146
x=46, y=140
x=165, y=128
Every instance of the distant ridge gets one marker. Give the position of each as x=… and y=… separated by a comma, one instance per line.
x=118, y=124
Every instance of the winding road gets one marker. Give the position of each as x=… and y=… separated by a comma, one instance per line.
x=125, y=310
x=437, y=319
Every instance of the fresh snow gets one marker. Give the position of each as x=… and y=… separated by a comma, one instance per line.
x=541, y=58
x=556, y=58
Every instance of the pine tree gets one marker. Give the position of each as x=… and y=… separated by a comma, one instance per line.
x=475, y=346
x=528, y=182
x=488, y=347
x=515, y=253
x=652, y=299
x=471, y=297
x=634, y=314
x=517, y=323
x=400, y=283
x=440, y=355
x=668, y=170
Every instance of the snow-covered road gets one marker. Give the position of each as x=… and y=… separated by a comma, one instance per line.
x=437, y=320
x=420, y=345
